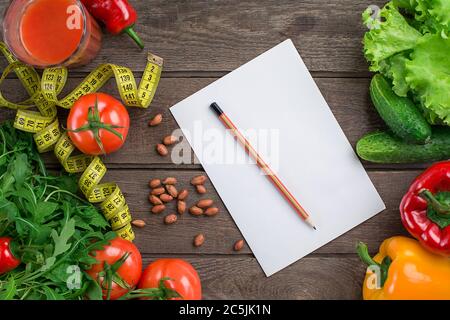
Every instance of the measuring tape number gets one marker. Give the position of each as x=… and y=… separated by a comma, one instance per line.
x=49, y=136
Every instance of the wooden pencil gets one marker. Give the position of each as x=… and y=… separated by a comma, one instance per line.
x=262, y=164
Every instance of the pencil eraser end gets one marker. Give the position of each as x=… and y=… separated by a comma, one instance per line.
x=216, y=108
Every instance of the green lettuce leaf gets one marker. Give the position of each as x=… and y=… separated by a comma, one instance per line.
x=428, y=75
x=432, y=16
x=440, y=13
x=395, y=69
x=405, y=4
x=390, y=34
x=409, y=43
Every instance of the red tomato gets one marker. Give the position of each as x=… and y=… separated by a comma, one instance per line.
x=184, y=278
x=130, y=271
x=100, y=130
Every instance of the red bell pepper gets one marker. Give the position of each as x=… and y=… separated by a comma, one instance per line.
x=425, y=209
x=118, y=16
x=8, y=261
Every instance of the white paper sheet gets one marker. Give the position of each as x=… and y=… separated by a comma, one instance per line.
x=275, y=92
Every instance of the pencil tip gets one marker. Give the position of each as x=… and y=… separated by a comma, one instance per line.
x=311, y=224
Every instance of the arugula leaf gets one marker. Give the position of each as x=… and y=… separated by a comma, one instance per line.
x=21, y=169
x=61, y=243
x=94, y=291
x=59, y=273
x=67, y=182
x=90, y=216
x=42, y=237
x=26, y=227
x=43, y=210
x=52, y=227
x=8, y=210
x=51, y=294
x=9, y=290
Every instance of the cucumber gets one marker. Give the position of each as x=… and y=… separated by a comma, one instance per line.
x=399, y=113
x=383, y=147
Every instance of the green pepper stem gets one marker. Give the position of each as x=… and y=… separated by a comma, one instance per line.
x=363, y=253
x=133, y=35
x=435, y=204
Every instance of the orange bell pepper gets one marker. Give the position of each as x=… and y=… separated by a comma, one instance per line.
x=403, y=270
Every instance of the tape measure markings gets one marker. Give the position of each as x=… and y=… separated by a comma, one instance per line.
x=48, y=135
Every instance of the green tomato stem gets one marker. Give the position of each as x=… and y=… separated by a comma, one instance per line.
x=95, y=125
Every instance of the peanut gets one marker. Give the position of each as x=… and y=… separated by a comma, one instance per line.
x=162, y=150
x=198, y=180
x=158, y=191
x=201, y=189
x=165, y=197
x=138, y=223
x=158, y=209
x=181, y=207
x=205, y=203
x=210, y=212
x=154, y=183
x=238, y=245
x=154, y=200
x=170, y=140
x=172, y=190
x=170, y=180
x=156, y=120
x=170, y=219
x=183, y=194
x=199, y=240
x=196, y=211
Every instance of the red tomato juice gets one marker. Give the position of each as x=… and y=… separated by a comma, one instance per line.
x=51, y=31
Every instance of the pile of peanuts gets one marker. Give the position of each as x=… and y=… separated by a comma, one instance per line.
x=163, y=192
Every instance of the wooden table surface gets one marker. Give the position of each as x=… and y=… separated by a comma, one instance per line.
x=201, y=41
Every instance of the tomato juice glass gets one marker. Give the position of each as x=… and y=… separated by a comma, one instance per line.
x=48, y=33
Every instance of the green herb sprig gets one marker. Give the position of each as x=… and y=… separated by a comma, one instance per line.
x=54, y=231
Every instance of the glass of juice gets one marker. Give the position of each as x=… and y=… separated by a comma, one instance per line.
x=48, y=33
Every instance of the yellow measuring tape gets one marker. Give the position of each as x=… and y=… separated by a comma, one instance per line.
x=49, y=136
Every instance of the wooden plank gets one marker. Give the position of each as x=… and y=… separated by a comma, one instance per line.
x=348, y=99
x=337, y=277
x=221, y=232
x=204, y=35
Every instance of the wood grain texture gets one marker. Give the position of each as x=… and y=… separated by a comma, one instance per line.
x=221, y=232
x=348, y=99
x=202, y=40
x=210, y=35
x=337, y=277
